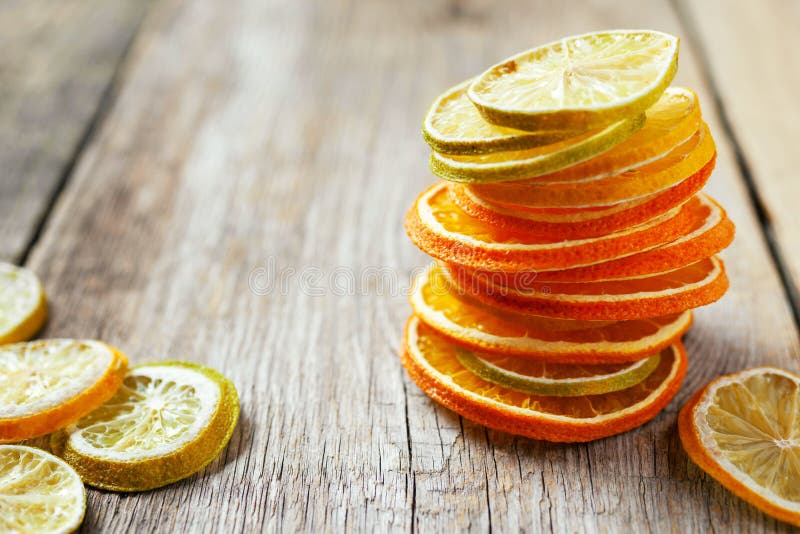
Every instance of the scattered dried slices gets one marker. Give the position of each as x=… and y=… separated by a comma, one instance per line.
x=166, y=422
x=441, y=229
x=38, y=492
x=453, y=125
x=48, y=384
x=481, y=328
x=431, y=361
x=623, y=299
x=23, y=306
x=744, y=430
x=578, y=82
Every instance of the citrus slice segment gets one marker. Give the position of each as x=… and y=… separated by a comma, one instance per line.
x=711, y=232
x=578, y=82
x=599, y=190
x=580, y=223
x=478, y=327
x=744, y=430
x=167, y=421
x=431, y=362
x=442, y=230
x=23, y=305
x=48, y=384
x=690, y=287
x=517, y=165
x=671, y=122
x=38, y=492
x=559, y=380
x=453, y=125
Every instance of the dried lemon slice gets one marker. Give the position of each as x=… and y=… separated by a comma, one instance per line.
x=23, y=306
x=48, y=384
x=453, y=125
x=578, y=82
x=38, y=492
x=167, y=421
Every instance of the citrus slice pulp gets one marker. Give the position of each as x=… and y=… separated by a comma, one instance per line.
x=23, y=306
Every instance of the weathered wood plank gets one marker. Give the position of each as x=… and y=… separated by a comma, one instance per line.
x=57, y=62
x=256, y=131
x=751, y=52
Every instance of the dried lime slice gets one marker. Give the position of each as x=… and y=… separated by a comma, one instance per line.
x=578, y=82
x=38, y=492
x=557, y=380
x=166, y=422
x=453, y=125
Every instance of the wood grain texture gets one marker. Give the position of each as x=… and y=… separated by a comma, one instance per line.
x=57, y=61
x=253, y=131
x=750, y=49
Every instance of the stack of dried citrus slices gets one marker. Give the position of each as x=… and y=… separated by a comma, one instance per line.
x=570, y=236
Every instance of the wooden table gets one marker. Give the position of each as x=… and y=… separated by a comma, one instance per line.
x=159, y=158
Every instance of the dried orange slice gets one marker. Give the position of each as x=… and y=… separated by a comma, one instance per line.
x=431, y=362
x=607, y=189
x=580, y=223
x=46, y=385
x=711, y=232
x=555, y=379
x=578, y=82
x=453, y=125
x=744, y=430
x=442, y=230
x=672, y=121
x=23, y=306
x=612, y=300
x=517, y=165
x=482, y=328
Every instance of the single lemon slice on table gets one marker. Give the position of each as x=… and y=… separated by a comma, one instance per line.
x=744, y=430
x=38, y=492
x=23, y=305
x=453, y=125
x=578, y=82
x=48, y=384
x=166, y=422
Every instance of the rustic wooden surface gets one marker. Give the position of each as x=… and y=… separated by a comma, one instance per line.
x=248, y=135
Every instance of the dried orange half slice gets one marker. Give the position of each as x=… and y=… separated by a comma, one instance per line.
x=431, y=361
x=580, y=223
x=482, y=328
x=46, y=385
x=613, y=300
x=605, y=189
x=744, y=430
x=442, y=230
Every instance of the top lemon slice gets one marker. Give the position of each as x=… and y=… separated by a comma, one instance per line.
x=38, y=492
x=578, y=82
x=166, y=422
x=453, y=125
x=23, y=307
